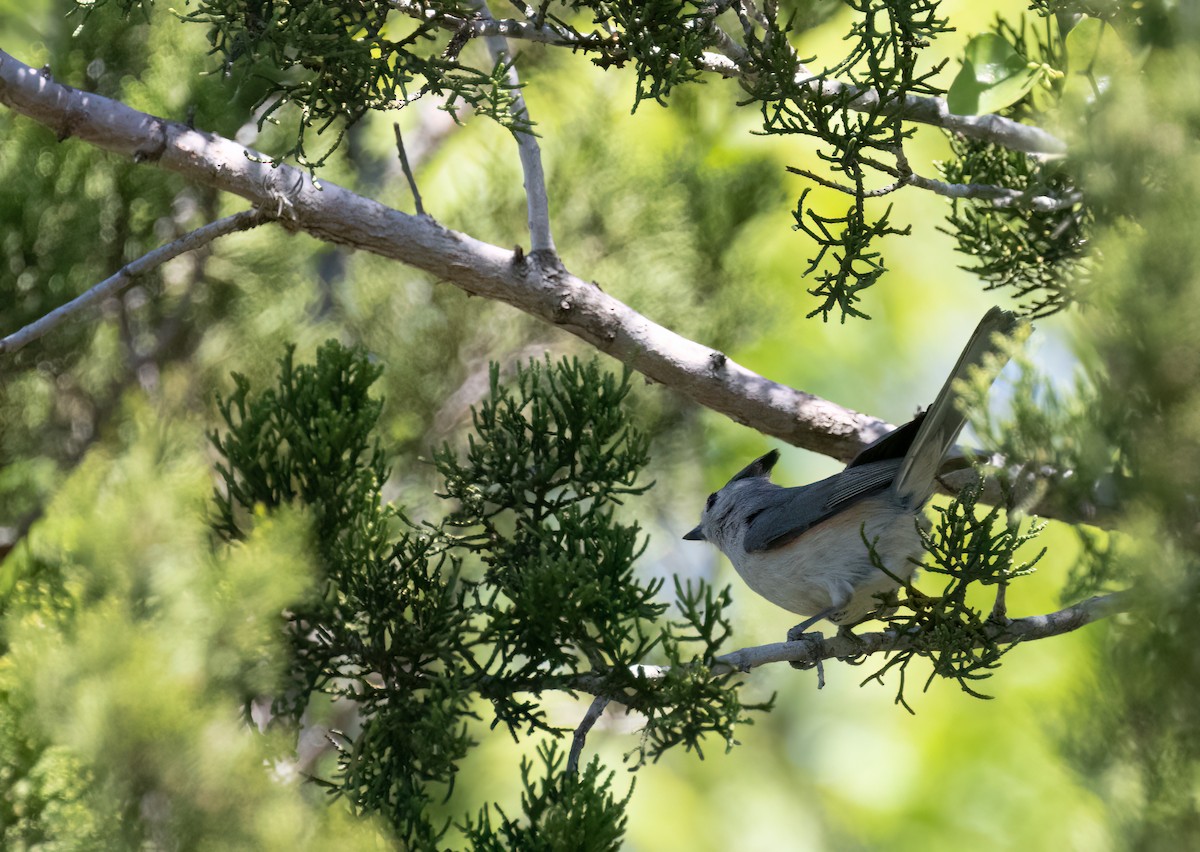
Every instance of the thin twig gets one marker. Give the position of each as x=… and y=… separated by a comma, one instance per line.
x=1000, y=606
x=412, y=181
x=752, y=12
x=813, y=648
x=110, y=286
x=536, y=197
x=589, y=719
x=849, y=190
x=999, y=196
x=923, y=110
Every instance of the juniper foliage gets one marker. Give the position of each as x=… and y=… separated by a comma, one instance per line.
x=526, y=587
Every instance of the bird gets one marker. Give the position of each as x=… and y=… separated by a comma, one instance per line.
x=803, y=548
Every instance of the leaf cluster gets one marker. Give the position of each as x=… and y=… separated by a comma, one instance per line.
x=1037, y=254
x=885, y=40
x=663, y=39
x=562, y=810
x=526, y=587
x=384, y=629
x=968, y=548
x=337, y=60
x=1037, y=251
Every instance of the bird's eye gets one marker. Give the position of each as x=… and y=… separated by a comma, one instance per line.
x=712, y=498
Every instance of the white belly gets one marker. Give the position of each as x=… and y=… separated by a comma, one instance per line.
x=830, y=565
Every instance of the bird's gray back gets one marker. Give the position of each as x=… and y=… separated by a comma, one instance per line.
x=775, y=516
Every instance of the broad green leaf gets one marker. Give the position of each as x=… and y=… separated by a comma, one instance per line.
x=993, y=76
x=1095, y=55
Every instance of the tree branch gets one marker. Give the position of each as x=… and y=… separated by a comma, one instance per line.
x=999, y=196
x=580, y=737
x=546, y=291
x=811, y=649
x=537, y=200
x=506, y=28
x=538, y=286
x=922, y=110
x=814, y=649
x=124, y=277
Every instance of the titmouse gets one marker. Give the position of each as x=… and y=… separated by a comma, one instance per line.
x=802, y=548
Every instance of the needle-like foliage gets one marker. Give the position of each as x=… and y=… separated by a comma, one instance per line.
x=525, y=588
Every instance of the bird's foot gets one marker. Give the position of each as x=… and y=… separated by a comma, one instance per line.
x=801, y=633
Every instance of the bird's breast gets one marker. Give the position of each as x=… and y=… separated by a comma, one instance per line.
x=830, y=564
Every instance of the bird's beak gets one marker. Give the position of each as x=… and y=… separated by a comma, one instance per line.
x=695, y=535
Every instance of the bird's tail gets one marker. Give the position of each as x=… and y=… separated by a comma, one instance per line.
x=915, y=482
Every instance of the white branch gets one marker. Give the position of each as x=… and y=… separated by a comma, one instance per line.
x=923, y=110
x=538, y=286
x=811, y=649
x=547, y=291
x=999, y=196
x=125, y=276
x=537, y=200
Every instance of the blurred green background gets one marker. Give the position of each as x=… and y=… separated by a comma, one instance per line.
x=681, y=213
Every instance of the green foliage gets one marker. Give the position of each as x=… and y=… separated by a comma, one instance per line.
x=858, y=267
x=127, y=641
x=663, y=38
x=117, y=700
x=1074, y=450
x=1037, y=249
x=1038, y=254
x=408, y=636
x=337, y=61
x=885, y=44
x=1140, y=745
x=562, y=810
x=67, y=222
x=309, y=441
x=388, y=628
x=969, y=547
x=536, y=500
x=993, y=76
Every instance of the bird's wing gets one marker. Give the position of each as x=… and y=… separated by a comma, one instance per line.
x=893, y=445
x=786, y=513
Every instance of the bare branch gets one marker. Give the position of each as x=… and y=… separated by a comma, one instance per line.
x=1000, y=196
x=125, y=276
x=331, y=213
x=537, y=200
x=577, y=741
x=543, y=290
x=812, y=649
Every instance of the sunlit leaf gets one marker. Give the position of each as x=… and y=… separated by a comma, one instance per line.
x=993, y=76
